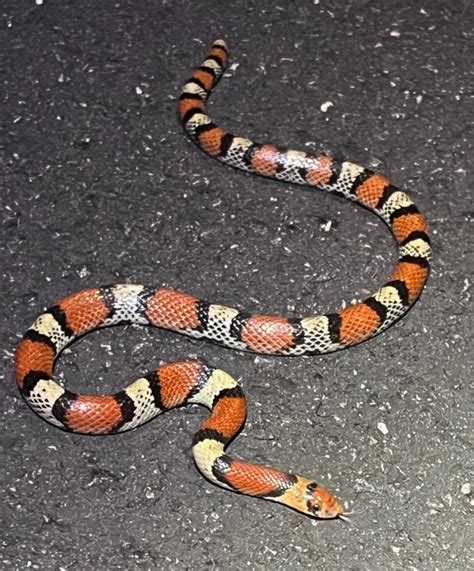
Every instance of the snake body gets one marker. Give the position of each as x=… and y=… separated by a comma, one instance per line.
x=192, y=382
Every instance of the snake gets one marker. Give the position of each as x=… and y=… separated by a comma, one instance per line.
x=188, y=382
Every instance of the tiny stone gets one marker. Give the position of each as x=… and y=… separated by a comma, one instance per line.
x=466, y=489
x=383, y=428
x=326, y=105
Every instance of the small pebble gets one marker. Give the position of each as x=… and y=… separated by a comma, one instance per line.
x=383, y=428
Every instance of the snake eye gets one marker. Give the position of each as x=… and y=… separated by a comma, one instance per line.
x=313, y=508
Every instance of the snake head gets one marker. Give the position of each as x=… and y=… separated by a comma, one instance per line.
x=320, y=503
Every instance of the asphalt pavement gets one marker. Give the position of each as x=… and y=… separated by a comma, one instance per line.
x=100, y=185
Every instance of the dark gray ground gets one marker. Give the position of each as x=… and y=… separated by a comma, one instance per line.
x=100, y=185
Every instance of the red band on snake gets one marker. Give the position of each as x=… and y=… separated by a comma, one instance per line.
x=192, y=382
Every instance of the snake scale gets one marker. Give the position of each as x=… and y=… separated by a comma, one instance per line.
x=192, y=382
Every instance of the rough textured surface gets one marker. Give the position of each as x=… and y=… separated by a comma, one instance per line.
x=100, y=185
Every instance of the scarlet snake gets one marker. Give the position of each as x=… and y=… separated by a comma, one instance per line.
x=192, y=382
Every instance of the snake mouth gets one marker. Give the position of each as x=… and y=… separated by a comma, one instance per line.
x=334, y=512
